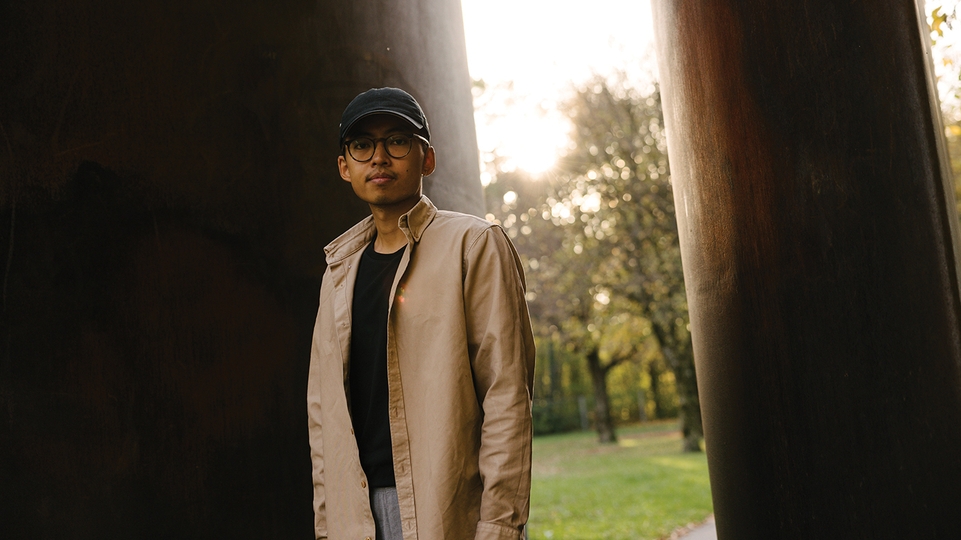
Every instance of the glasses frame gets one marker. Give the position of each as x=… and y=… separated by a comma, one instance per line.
x=375, y=140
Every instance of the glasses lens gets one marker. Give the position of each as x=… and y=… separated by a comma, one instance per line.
x=398, y=146
x=361, y=149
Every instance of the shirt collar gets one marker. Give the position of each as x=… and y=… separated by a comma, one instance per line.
x=413, y=223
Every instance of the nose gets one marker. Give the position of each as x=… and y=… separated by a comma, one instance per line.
x=380, y=152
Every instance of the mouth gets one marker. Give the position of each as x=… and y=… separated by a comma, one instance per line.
x=380, y=177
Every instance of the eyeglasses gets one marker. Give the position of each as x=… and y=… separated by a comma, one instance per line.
x=397, y=146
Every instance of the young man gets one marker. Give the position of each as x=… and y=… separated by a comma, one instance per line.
x=421, y=370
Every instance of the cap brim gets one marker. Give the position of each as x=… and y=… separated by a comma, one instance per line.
x=409, y=120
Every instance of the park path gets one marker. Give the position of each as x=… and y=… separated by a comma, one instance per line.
x=704, y=531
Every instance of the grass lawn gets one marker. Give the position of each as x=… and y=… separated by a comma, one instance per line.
x=641, y=488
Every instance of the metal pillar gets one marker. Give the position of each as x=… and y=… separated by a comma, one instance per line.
x=167, y=183
x=429, y=59
x=819, y=242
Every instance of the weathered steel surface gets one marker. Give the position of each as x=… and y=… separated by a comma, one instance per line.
x=167, y=182
x=817, y=229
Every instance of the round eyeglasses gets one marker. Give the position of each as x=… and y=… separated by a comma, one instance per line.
x=397, y=146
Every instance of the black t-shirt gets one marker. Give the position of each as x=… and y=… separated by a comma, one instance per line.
x=368, y=364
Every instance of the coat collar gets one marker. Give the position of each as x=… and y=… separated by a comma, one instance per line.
x=413, y=223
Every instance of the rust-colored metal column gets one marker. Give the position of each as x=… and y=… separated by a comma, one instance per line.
x=167, y=183
x=420, y=46
x=820, y=254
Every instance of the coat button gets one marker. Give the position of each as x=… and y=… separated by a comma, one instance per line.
x=363, y=483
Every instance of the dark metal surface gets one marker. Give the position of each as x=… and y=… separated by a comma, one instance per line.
x=167, y=182
x=820, y=262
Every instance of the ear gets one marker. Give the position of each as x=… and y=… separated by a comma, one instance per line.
x=430, y=161
x=342, y=167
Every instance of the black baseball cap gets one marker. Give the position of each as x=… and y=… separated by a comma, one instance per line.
x=392, y=101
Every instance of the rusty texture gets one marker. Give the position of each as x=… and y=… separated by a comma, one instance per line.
x=818, y=244
x=167, y=182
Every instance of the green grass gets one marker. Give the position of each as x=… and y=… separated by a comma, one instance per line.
x=643, y=487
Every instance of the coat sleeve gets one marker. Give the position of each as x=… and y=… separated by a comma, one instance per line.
x=315, y=436
x=501, y=347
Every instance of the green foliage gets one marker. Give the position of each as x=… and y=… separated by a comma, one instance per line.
x=939, y=19
x=559, y=380
x=600, y=245
x=641, y=488
x=942, y=17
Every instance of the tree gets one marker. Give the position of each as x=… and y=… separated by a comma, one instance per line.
x=600, y=241
x=565, y=301
x=619, y=193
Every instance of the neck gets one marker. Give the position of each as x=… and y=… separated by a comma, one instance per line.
x=389, y=236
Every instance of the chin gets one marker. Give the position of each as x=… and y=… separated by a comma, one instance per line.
x=394, y=201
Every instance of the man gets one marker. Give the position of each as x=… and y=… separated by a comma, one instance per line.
x=421, y=370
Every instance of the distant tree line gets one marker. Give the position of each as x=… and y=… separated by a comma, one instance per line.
x=599, y=241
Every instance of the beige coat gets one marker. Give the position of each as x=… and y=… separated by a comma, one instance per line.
x=460, y=357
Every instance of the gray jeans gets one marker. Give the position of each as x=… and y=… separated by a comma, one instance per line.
x=383, y=503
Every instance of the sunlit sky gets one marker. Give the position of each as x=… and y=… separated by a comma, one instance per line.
x=530, y=53
x=541, y=49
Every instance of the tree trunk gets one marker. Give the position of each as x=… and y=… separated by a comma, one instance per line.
x=557, y=406
x=655, y=373
x=689, y=411
x=602, y=407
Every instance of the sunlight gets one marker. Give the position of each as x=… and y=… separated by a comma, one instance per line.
x=601, y=297
x=532, y=145
x=542, y=46
x=590, y=203
x=561, y=211
x=528, y=69
x=520, y=132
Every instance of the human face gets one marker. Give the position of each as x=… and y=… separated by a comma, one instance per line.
x=384, y=181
